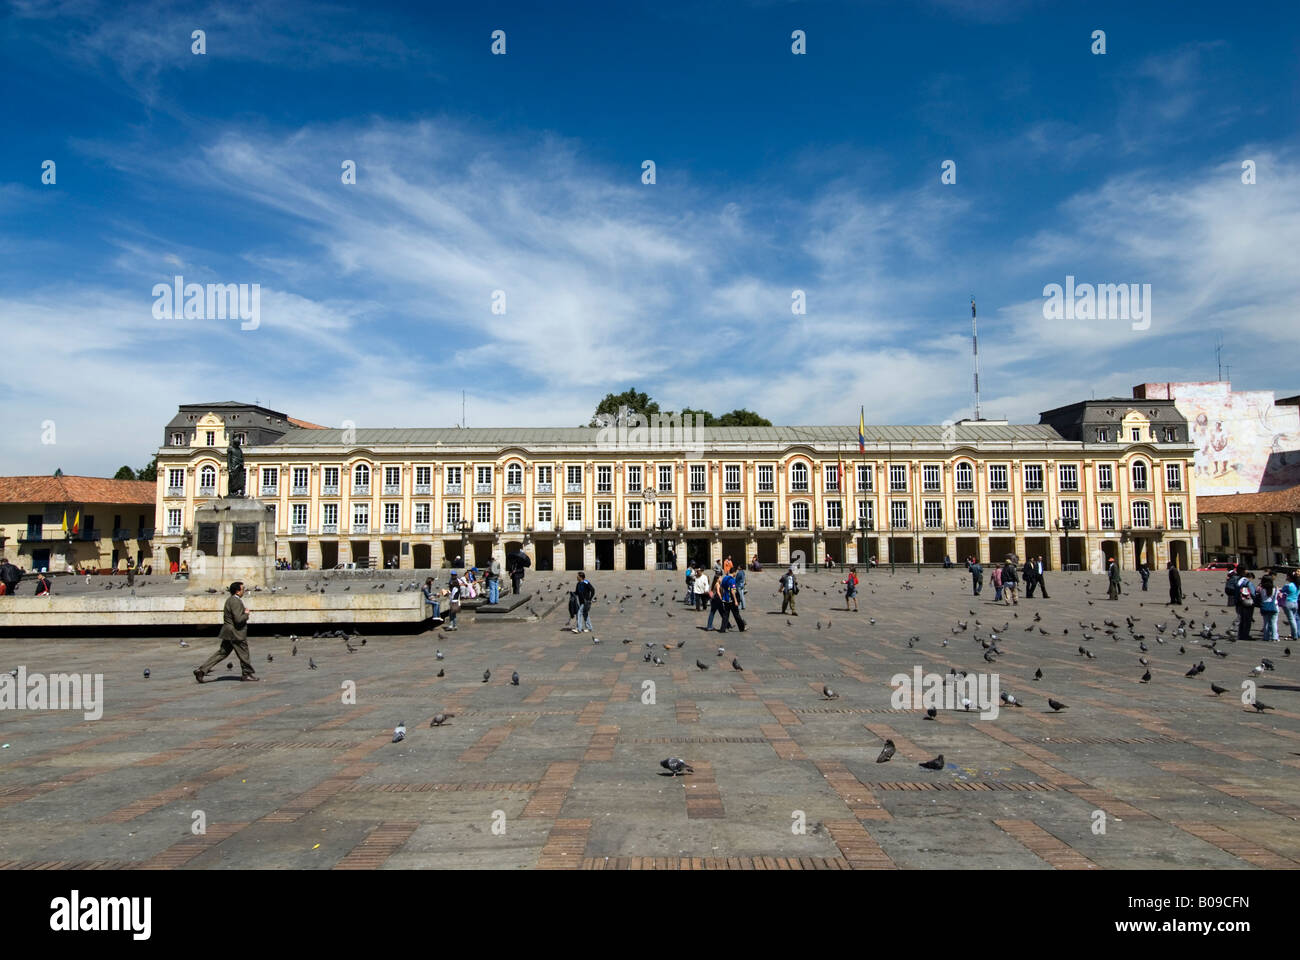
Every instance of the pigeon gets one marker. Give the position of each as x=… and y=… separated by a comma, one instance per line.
x=184, y=644
x=931, y=713
x=701, y=664
x=399, y=732
x=646, y=658
x=1266, y=663
x=1038, y=674
x=1056, y=705
x=1259, y=705
x=735, y=664
x=440, y=718
x=442, y=673
x=270, y=659
x=514, y=679
x=311, y=663
x=887, y=753
x=294, y=651
x=146, y=673
x=658, y=661
x=676, y=766
x=1146, y=677
x=721, y=650
x=1192, y=672
x=438, y=654
x=487, y=675
x=1218, y=689
x=935, y=764
x=828, y=693
x=1144, y=661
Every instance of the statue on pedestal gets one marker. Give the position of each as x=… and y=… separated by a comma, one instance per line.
x=235, y=468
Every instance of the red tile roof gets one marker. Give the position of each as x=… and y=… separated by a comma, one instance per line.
x=77, y=490
x=303, y=424
x=1270, y=501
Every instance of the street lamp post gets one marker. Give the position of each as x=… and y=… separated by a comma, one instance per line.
x=464, y=527
x=1067, y=524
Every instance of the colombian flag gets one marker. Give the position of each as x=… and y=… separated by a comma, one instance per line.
x=862, y=430
x=76, y=524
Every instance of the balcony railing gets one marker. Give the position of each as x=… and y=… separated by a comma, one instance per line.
x=329, y=528
x=799, y=525
x=175, y=491
x=453, y=490
x=544, y=526
x=330, y=490
x=799, y=487
x=866, y=524
x=207, y=491
x=392, y=490
x=392, y=528
x=572, y=526
x=360, y=489
x=482, y=526
x=422, y=528
x=514, y=488
x=604, y=488
x=173, y=531
x=547, y=487
x=573, y=488
x=423, y=488
x=302, y=491
x=513, y=526
x=766, y=487
x=932, y=524
x=451, y=527
x=964, y=524
x=1000, y=525
x=298, y=529
x=144, y=533
x=360, y=527
x=482, y=488
x=272, y=490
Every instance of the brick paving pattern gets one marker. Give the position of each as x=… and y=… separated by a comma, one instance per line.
x=563, y=771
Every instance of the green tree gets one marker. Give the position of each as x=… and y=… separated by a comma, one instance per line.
x=633, y=399
x=124, y=473
x=742, y=418
x=706, y=419
x=148, y=472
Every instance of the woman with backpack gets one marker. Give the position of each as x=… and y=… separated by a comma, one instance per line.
x=996, y=579
x=1267, y=598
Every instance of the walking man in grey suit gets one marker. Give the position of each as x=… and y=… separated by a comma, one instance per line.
x=234, y=636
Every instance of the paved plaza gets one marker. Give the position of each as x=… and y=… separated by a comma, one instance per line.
x=564, y=771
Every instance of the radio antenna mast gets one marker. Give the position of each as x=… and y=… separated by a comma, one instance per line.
x=975, y=350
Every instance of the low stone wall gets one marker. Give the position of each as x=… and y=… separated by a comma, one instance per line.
x=205, y=609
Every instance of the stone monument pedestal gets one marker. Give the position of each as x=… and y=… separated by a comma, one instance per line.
x=234, y=539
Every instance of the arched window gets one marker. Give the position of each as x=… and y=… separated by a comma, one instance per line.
x=1139, y=474
x=798, y=476
x=361, y=476
x=965, y=476
x=208, y=479
x=514, y=474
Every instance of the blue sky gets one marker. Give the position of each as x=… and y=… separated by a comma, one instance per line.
x=522, y=173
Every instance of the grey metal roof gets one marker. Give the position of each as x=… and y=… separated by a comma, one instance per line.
x=548, y=436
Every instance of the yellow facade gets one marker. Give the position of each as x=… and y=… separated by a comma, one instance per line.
x=580, y=502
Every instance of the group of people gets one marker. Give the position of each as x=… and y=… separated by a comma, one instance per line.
x=723, y=592
x=1266, y=597
x=1006, y=578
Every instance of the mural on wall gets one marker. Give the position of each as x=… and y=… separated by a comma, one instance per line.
x=1245, y=443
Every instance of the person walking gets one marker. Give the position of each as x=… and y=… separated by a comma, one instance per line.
x=1145, y=573
x=494, y=580
x=851, y=589
x=976, y=575
x=431, y=597
x=586, y=597
x=1112, y=577
x=234, y=636
x=1268, y=597
x=1040, y=579
x=1030, y=576
x=1009, y=582
x=789, y=588
x=739, y=574
x=453, y=604
x=1245, y=604
x=730, y=603
x=717, y=603
x=1175, y=584
x=516, y=570
x=701, y=589
x=996, y=578
x=690, y=585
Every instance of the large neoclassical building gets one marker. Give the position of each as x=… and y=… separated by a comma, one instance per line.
x=1092, y=480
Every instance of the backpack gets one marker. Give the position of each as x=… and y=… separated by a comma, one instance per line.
x=1267, y=602
x=1244, y=593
